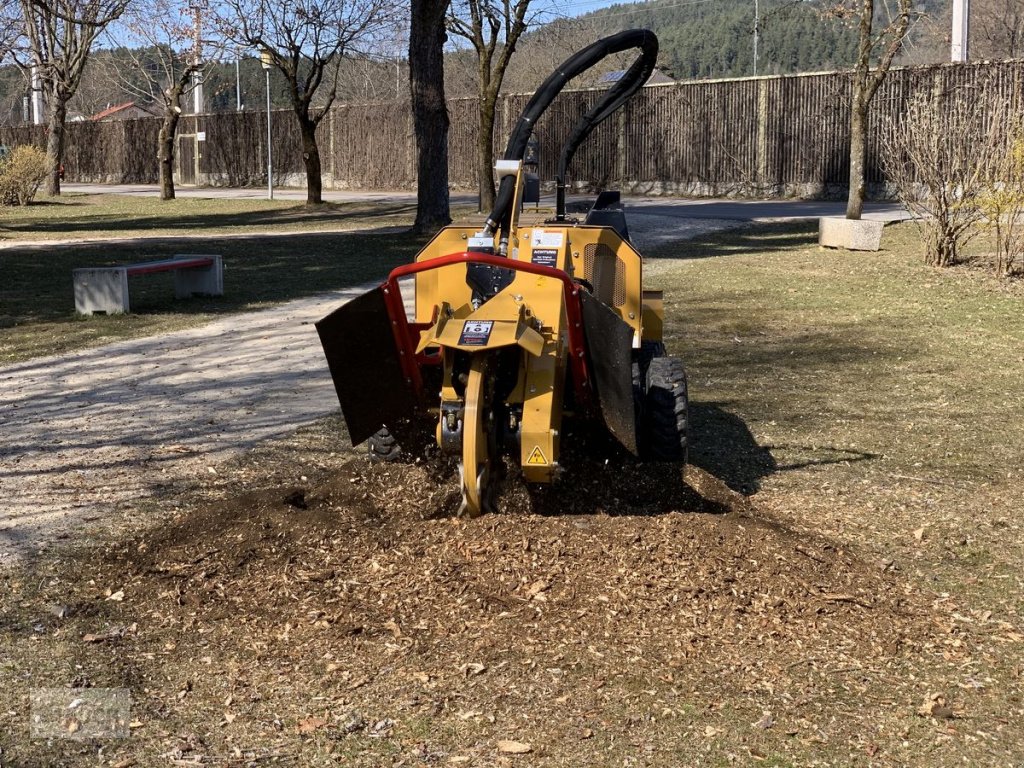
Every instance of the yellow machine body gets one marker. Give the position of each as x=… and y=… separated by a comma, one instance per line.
x=517, y=324
x=530, y=312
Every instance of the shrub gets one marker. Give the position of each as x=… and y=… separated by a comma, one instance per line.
x=1003, y=207
x=21, y=172
x=940, y=155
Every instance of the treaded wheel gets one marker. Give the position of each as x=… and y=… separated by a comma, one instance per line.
x=666, y=406
x=383, y=446
x=641, y=362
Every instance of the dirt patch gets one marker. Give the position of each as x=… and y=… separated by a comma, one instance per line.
x=354, y=619
x=389, y=528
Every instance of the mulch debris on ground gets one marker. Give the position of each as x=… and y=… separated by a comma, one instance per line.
x=356, y=618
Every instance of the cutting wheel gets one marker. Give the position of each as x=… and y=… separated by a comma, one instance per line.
x=475, y=467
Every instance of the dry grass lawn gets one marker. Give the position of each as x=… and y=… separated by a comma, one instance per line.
x=837, y=581
x=273, y=251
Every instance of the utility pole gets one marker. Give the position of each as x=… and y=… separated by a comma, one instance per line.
x=197, y=58
x=961, y=29
x=266, y=60
x=757, y=29
x=37, y=96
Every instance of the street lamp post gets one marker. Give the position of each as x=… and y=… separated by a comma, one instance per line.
x=265, y=61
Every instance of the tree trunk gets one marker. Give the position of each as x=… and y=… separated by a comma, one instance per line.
x=311, y=159
x=485, y=152
x=168, y=131
x=55, y=142
x=430, y=113
x=858, y=150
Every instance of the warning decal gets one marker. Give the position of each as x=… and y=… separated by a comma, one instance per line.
x=545, y=257
x=543, y=238
x=537, y=457
x=476, y=332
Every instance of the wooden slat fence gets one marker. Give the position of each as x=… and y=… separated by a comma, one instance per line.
x=762, y=136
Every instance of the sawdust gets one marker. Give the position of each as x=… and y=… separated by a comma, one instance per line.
x=536, y=623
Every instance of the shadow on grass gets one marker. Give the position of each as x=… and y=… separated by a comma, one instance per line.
x=327, y=213
x=723, y=445
x=62, y=202
x=755, y=238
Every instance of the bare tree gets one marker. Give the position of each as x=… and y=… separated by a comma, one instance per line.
x=381, y=73
x=942, y=155
x=430, y=113
x=102, y=82
x=544, y=49
x=13, y=84
x=10, y=29
x=876, y=50
x=493, y=28
x=997, y=29
x=60, y=35
x=166, y=66
x=305, y=41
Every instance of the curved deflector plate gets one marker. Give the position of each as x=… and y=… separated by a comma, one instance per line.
x=365, y=366
x=610, y=354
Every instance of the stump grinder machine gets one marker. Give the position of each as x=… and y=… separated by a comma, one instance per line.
x=516, y=326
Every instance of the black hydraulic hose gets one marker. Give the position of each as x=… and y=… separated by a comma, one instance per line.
x=616, y=96
x=630, y=83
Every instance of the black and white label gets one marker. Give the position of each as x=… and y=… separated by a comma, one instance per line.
x=476, y=332
x=544, y=238
x=544, y=257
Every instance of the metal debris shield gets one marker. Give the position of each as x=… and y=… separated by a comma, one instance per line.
x=365, y=366
x=610, y=353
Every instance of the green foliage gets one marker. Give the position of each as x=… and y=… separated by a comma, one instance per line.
x=22, y=170
x=716, y=39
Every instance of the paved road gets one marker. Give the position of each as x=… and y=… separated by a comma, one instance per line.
x=85, y=431
x=696, y=208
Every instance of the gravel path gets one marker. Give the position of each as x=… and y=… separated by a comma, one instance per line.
x=83, y=432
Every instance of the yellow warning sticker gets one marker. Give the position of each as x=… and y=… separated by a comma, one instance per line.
x=537, y=457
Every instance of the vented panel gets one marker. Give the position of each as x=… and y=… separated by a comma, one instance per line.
x=606, y=272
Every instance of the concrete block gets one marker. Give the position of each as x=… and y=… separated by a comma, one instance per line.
x=852, y=234
x=101, y=289
x=204, y=281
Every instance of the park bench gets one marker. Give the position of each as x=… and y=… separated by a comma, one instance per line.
x=105, y=289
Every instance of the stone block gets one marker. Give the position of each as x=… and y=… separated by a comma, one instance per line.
x=852, y=234
x=201, y=281
x=104, y=289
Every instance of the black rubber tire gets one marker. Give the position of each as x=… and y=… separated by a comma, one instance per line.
x=666, y=411
x=641, y=362
x=383, y=446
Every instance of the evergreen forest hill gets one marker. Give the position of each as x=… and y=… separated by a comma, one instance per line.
x=698, y=39
x=714, y=38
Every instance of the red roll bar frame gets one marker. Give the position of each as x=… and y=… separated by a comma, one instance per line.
x=403, y=330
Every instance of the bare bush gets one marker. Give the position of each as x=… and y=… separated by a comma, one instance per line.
x=940, y=155
x=21, y=174
x=1002, y=205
